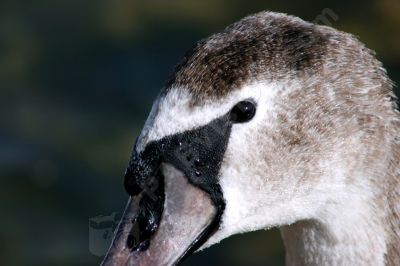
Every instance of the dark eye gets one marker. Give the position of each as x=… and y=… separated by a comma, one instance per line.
x=242, y=112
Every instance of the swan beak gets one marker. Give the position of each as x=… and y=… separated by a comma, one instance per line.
x=176, y=202
x=188, y=213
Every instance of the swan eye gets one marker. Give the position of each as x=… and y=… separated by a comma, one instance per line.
x=242, y=112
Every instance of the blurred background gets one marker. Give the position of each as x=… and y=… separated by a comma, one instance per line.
x=77, y=80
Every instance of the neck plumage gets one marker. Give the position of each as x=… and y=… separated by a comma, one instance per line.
x=361, y=231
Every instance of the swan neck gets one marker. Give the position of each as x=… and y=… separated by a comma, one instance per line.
x=360, y=233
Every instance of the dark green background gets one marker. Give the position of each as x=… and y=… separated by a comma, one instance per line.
x=77, y=79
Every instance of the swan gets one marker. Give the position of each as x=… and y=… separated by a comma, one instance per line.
x=273, y=122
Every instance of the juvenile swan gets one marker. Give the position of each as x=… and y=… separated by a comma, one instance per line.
x=274, y=122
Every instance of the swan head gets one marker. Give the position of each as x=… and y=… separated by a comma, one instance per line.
x=262, y=125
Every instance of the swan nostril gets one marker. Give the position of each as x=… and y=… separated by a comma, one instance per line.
x=148, y=218
x=141, y=231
